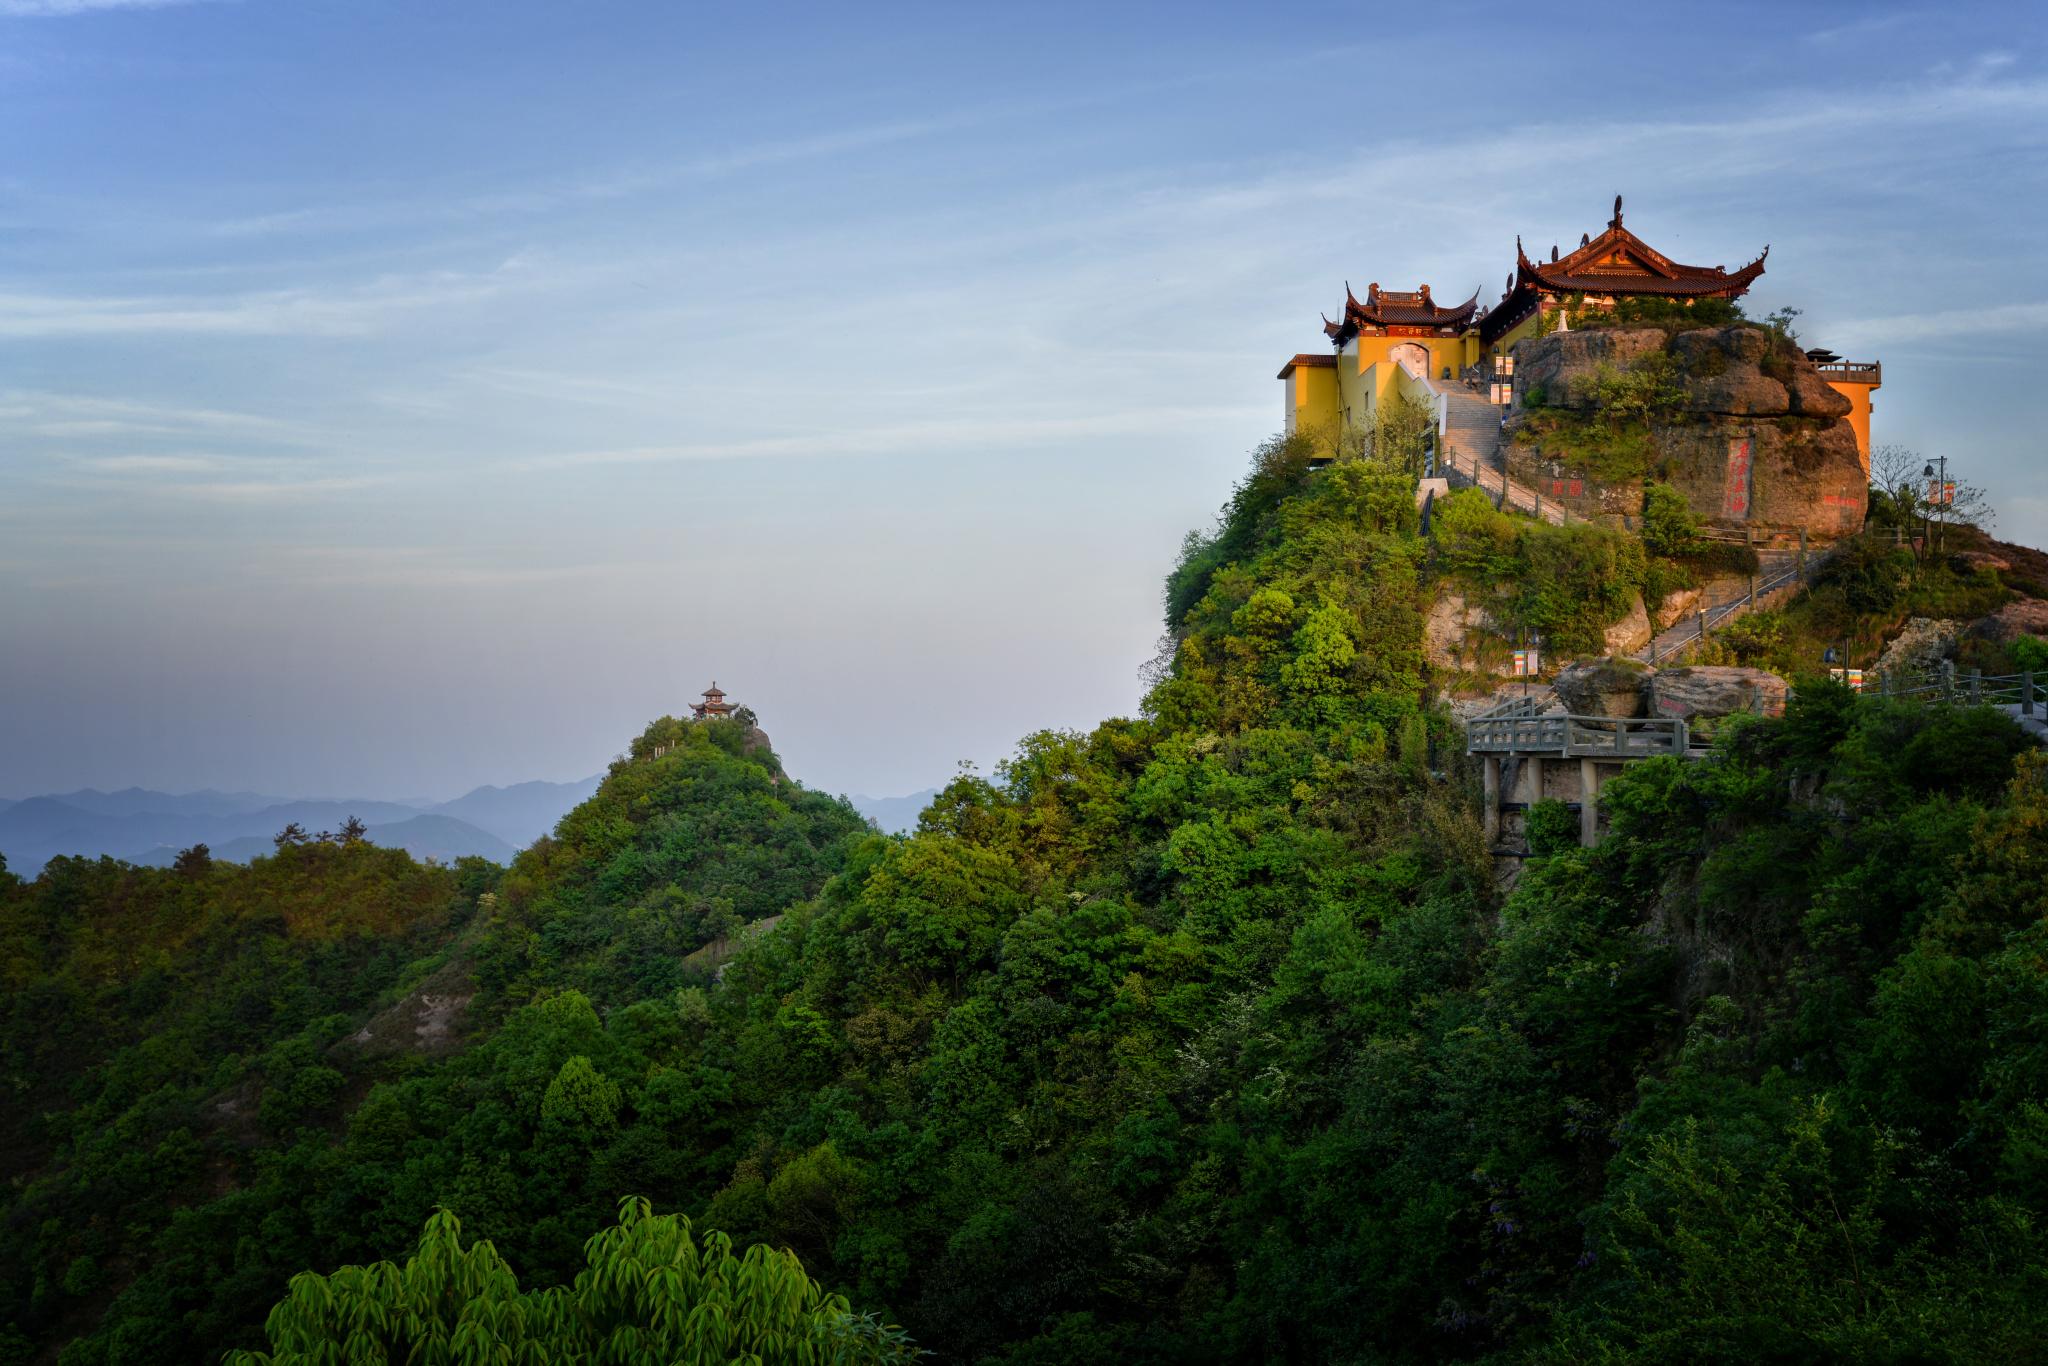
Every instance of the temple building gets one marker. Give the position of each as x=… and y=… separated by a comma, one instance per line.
x=1614, y=265
x=1406, y=342
x=712, y=707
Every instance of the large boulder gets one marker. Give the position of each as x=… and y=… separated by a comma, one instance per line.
x=1678, y=604
x=1754, y=436
x=1632, y=632
x=1701, y=691
x=1800, y=472
x=1920, y=646
x=1559, y=367
x=1602, y=687
x=2024, y=617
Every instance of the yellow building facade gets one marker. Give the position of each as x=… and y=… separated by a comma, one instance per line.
x=1405, y=342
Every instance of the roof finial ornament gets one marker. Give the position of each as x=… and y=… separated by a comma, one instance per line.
x=1553, y=251
x=1617, y=213
x=1585, y=239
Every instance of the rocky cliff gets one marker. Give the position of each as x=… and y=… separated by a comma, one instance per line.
x=1735, y=418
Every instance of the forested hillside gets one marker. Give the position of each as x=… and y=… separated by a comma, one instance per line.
x=1202, y=1036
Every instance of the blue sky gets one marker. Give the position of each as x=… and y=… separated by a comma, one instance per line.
x=400, y=397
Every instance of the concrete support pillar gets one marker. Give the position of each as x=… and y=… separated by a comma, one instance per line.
x=1589, y=803
x=1491, y=818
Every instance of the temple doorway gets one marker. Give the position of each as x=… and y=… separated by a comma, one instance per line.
x=1416, y=355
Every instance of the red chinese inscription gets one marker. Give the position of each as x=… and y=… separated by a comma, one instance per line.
x=1735, y=492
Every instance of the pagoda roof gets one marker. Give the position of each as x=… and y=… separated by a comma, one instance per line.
x=1617, y=262
x=1398, y=308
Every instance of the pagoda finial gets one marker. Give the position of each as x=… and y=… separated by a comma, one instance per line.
x=1553, y=251
x=1617, y=213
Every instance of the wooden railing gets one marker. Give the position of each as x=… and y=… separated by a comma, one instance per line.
x=1853, y=372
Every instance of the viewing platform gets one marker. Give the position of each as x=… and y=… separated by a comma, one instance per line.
x=1530, y=755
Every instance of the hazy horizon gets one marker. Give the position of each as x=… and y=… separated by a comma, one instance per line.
x=397, y=400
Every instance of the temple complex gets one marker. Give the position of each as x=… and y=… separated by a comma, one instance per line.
x=1406, y=342
x=712, y=707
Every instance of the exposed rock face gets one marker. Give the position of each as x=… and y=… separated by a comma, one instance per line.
x=1703, y=691
x=1741, y=371
x=1801, y=473
x=1921, y=644
x=1559, y=364
x=1602, y=687
x=1453, y=632
x=1755, y=437
x=2026, y=617
x=1682, y=603
x=1632, y=632
x=1451, y=619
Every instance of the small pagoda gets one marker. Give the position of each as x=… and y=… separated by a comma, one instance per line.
x=713, y=707
x=1604, y=268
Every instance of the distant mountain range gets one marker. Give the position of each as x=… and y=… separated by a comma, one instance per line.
x=894, y=815
x=149, y=827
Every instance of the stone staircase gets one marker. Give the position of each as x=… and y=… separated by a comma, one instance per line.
x=1471, y=452
x=1781, y=572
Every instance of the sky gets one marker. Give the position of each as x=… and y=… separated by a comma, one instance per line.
x=400, y=397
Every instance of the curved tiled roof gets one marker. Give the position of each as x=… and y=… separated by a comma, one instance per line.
x=1617, y=262
x=1398, y=308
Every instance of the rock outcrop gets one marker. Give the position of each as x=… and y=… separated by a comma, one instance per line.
x=2024, y=617
x=1602, y=687
x=1703, y=691
x=1632, y=632
x=1921, y=645
x=1747, y=429
x=1677, y=605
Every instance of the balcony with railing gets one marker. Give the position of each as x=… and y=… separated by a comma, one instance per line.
x=1852, y=372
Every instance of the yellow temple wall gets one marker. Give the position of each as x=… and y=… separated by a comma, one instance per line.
x=1455, y=352
x=1859, y=415
x=1312, y=402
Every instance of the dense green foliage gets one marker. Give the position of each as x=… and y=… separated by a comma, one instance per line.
x=1650, y=310
x=652, y=1294
x=172, y=1034
x=1208, y=1036
x=1567, y=583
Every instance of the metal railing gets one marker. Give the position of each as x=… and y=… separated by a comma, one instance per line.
x=1951, y=686
x=1671, y=643
x=1506, y=492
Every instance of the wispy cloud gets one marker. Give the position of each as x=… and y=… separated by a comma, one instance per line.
x=57, y=9
x=346, y=310
x=968, y=431
x=30, y=412
x=1905, y=330
x=1861, y=28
